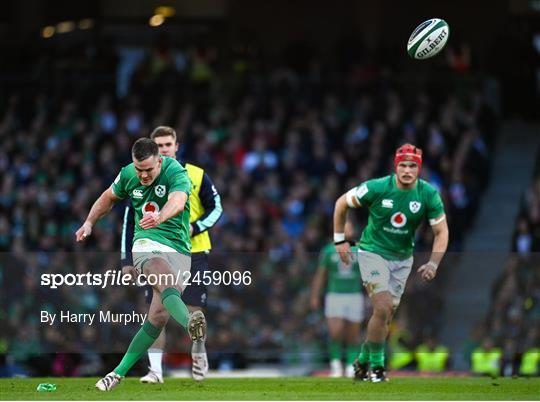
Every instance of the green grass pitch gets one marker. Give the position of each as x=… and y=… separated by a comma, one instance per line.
x=294, y=388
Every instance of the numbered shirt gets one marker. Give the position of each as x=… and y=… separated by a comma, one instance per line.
x=342, y=278
x=173, y=177
x=395, y=214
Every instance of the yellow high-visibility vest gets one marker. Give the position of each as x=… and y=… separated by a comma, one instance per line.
x=486, y=361
x=431, y=360
x=529, y=362
x=200, y=242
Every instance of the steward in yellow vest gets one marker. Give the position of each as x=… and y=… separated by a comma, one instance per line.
x=530, y=362
x=486, y=359
x=431, y=357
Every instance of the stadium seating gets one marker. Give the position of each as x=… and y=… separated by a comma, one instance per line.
x=279, y=145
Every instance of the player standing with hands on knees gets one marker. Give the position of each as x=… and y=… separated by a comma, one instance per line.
x=397, y=204
x=159, y=188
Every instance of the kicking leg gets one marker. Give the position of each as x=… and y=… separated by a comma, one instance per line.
x=140, y=343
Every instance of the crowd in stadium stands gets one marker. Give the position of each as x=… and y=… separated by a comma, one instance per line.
x=508, y=342
x=281, y=147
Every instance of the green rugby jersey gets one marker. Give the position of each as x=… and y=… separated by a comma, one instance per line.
x=341, y=278
x=173, y=177
x=395, y=214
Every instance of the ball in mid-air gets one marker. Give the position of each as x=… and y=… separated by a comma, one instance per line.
x=428, y=39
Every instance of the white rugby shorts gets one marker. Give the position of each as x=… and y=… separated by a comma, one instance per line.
x=146, y=249
x=379, y=274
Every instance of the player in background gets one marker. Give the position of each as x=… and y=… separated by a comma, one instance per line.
x=205, y=211
x=344, y=304
x=397, y=205
x=159, y=188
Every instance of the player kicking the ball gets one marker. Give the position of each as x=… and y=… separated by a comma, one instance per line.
x=397, y=205
x=161, y=246
x=205, y=210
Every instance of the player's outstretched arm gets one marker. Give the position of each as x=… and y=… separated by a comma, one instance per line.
x=440, y=243
x=101, y=207
x=175, y=204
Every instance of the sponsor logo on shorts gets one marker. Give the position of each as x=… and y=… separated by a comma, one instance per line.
x=398, y=220
x=415, y=206
x=374, y=273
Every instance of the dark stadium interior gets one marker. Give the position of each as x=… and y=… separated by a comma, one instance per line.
x=286, y=105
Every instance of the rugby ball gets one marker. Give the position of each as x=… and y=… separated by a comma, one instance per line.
x=428, y=39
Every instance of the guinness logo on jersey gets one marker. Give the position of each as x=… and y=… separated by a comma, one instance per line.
x=160, y=190
x=398, y=220
x=150, y=207
x=415, y=206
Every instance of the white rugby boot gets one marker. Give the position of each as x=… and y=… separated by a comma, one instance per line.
x=108, y=382
x=197, y=332
x=152, y=378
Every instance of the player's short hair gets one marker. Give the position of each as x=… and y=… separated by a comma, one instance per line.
x=144, y=148
x=163, y=131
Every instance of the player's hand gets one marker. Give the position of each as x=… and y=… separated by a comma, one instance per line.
x=427, y=271
x=190, y=230
x=344, y=251
x=130, y=272
x=150, y=220
x=84, y=231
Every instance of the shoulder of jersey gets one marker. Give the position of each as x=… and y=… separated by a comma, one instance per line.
x=168, y=161
x=424, y=184
x=381, y=181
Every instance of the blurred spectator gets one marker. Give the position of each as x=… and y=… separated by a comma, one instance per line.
x=486, y=359
x=431, y=356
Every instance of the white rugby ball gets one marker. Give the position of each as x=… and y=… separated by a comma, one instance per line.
x=428, y=39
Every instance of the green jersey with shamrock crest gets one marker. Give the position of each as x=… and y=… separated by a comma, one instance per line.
x=395, y=214
x=173, y=177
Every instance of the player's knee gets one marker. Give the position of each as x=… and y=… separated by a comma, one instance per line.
x=382, y=310
x=158, y=318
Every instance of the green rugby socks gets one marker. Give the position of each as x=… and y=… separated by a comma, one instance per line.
x=363, y=357
x=334, y=350
x=376, y=354
x=352, y=352
x=140, y=343
x=173, y=303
